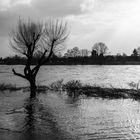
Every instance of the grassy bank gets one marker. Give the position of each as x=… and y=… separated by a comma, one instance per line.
x=76, y=88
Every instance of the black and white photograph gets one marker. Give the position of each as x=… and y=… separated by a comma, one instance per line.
x=69, y=69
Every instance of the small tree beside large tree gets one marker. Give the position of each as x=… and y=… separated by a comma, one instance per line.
x=100, y=49
x=29, y=38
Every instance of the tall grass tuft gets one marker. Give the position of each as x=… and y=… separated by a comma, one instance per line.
x=73, y=88
x=72, y=85
x=56, y=86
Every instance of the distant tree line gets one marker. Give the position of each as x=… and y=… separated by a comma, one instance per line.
x=98, y=55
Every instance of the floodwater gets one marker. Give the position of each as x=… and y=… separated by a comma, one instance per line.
x=116, y=76
x=55, y=116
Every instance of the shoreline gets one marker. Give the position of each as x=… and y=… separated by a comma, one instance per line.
x=86, y=90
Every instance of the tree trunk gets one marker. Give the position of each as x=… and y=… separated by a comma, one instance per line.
x=32, y=88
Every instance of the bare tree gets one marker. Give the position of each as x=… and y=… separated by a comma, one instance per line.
x=138, y=51
x=30, y=38
x=100, y=48
x=74, y=52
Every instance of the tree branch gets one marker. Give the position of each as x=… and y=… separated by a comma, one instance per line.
x=18, y=74
x=50, y=54
x=35, y=69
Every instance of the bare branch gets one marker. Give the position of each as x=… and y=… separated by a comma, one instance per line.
x=56, y=33
x=18, y=74
x=25, y=38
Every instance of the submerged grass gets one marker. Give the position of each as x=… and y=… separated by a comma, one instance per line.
x=9, y=87
x=75, y=88
x=56, y=86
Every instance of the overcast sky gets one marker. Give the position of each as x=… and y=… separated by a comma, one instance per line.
x=114, y=22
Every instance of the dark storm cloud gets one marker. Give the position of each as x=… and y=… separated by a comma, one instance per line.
x=11, y=10
x=36, y=9
x=8, y=18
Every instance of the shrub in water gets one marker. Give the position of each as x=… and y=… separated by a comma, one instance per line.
x=56, y=86
x=73, y=87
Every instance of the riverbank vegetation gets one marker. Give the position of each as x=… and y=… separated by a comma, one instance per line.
x=75, y=88
x=9, y=87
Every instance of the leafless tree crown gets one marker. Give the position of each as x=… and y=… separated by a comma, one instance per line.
x=55, y=33
x=25, y=39
x=30, y=38
x=100, y=48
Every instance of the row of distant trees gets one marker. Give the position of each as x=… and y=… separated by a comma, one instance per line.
x=97, y=50
x=136, y=52
x=98, y=55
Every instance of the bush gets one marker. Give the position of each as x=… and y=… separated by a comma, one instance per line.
x=56, y=86
x=73, y=88
x=72, y=85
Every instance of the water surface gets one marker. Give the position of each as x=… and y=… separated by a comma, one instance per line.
x=55, y=116
x=116, y=76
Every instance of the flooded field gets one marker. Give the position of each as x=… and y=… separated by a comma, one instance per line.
x=116, y=76
x=55, y=116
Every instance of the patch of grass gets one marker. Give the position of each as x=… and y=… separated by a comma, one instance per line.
x=72, y=85
x=9, y=87
x=56, y=86
x=75, y=88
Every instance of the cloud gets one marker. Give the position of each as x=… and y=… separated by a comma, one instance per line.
x=116, y=23
x=89, y=21
x=58, y=7
x=6, y=4
x=9, y=18
x=88, y=5
x=11, y=10
x=4, y=47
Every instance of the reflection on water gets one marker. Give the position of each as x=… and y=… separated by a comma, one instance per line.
x=39, y=122
x=54, y=116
